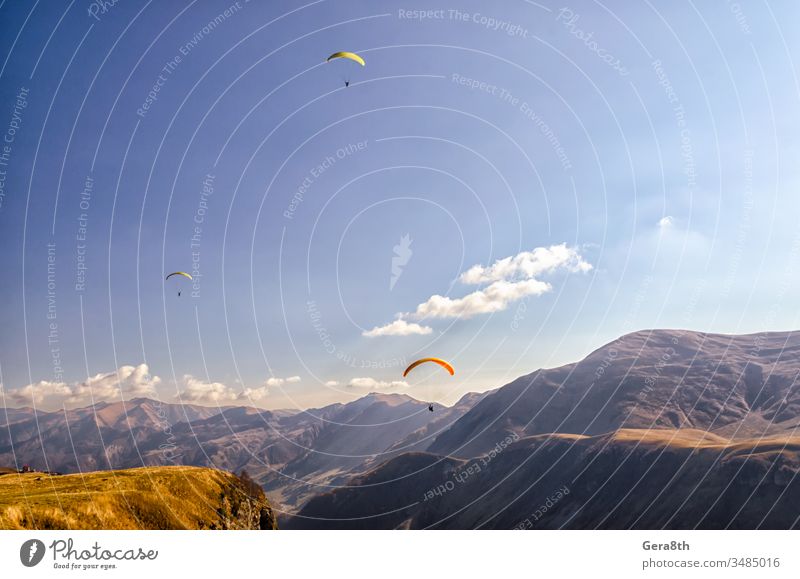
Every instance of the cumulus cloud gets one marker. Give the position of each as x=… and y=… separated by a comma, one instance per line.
x=494, y=298
x=127, y=381
x=398, y=328
x=332, y=383
x=40, y=391
x=506, y=281
x=527, y=265
x=373, y=384
x=202, y=392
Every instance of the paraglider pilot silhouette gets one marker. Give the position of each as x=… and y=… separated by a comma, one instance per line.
x=439, y=361
x=182, y=273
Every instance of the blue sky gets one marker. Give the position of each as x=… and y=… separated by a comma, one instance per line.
x=649, y=150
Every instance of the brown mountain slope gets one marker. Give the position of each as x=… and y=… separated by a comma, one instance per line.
x=738, y=386
x=630, y=479
x=140, y=498
x=12, y=415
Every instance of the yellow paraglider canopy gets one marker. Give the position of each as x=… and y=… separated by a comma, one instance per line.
x=349, y=55
x=439, y=361
x=183, y=273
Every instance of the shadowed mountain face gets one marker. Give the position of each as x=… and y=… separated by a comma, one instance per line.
x=631, y=479
x=736, y=386
x=357, y=436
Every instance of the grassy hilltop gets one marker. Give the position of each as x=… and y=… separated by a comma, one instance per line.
x=178, y=497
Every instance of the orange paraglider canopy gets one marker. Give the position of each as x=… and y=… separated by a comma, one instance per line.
x=439, y=361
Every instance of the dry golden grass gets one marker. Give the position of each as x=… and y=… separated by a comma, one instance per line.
x=143, y=498
x=691, y=438
x=685, y=438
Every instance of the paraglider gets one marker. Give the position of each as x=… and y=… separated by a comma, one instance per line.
x=350, y=55
x=183, y=273
x=347, y=56
x=439, y=361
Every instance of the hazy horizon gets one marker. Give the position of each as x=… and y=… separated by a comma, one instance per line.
x=352, y=395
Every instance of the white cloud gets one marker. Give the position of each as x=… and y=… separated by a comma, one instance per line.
x=40, y=391
x=132, y=381
x=332, y=383
x=281, y=381
x=509, y=280
x=253, y=394
x=666, y=222
x=495, y=298
x=373, y=384
x=202, y=392
x=398, y=328
x=127, y=381
x=527, y=265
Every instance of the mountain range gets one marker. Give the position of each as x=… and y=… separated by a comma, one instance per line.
x=294, y=455
x=659, y=428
